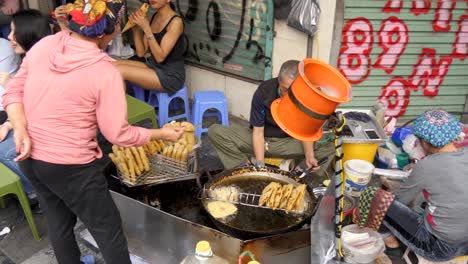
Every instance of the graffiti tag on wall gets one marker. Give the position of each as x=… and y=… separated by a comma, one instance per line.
x=228, y=35
x=232, y=36
x=391, y=35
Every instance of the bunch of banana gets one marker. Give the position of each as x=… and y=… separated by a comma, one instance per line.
x=132, y=161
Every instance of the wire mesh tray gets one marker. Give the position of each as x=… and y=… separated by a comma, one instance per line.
x=164, y=169
x=249, y=199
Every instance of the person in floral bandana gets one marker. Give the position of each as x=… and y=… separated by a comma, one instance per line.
x=65, y=89
x=441, y=232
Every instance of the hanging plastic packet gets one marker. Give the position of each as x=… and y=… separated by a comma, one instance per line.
x=412, y=146
x=117, y=49
x=304, y=16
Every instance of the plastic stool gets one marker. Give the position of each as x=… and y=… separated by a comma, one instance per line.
x=138, y=111
x=163, y=100
x=10, y=184
x=204, y=100
x=138, y=92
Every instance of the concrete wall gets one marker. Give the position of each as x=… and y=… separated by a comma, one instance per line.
x=287, y=44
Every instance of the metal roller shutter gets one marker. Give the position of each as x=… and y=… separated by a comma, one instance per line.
x=411, y=55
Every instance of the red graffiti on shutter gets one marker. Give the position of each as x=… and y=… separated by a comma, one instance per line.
x=393, y=38
x=354, y=61
x=393, y=6
x=395, y=96
x=443, y=15
x=460, y=47
x=428, y=73
x=420, y=7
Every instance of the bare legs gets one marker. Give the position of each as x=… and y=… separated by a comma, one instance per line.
x=138, y=73
x=391, y=242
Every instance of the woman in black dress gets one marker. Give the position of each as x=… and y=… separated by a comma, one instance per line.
x=163, y=36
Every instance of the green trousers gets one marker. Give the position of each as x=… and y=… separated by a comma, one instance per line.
x=234, y=145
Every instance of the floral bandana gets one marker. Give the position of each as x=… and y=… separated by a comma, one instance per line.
x=94, y=18
x=437, y=127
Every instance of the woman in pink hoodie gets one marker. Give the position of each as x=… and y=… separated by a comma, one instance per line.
x=65, y=90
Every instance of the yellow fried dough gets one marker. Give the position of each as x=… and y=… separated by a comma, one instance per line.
x=184, y=155
x=146, y=148
x=131, y=162
x=178, y=154
x=169, y=151
x=130, y=24
x=292, y=200
x=189, y=127
x=267, y=193
x=137, y=157
x=287, y=190
x=220, y=209
x=115, y=149
x=300, y=198
x=130, y=165
x=144, y=158
x=271, y=201
x=120, y=165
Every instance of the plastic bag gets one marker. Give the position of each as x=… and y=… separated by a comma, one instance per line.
x=400, y=134
x=117, y=49
x=412, y=146
x=304, y=16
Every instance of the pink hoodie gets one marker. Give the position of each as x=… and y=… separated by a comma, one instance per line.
x=69, y=87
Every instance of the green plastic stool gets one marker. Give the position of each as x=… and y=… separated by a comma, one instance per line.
x=10, y=184
x=138, y=111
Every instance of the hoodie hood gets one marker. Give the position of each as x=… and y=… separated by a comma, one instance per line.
x=71, y=53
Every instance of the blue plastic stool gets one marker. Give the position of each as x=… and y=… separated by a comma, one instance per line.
x=163, y=100
x=87, y=259
x=139, y=93
x=204, y=100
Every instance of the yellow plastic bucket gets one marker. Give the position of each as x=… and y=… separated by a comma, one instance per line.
x=362, y=151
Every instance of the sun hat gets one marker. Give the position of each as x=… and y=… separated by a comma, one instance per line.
x=94, y=18
x=437, y=127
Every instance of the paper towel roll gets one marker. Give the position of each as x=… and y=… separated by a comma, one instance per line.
x=287, y=165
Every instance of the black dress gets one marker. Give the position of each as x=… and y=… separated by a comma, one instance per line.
x=171, y=71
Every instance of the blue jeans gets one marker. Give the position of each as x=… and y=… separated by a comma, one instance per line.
x=7, y=157
x=4, y=31
x=409, y=227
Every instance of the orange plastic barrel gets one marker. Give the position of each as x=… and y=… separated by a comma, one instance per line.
x=315, y=94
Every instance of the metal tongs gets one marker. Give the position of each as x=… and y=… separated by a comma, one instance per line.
x=301, y=171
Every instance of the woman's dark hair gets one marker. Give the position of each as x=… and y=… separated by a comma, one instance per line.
x=30, y=27
x=172, y=5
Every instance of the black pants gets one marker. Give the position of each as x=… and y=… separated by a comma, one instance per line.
x=410, y=229
x=69, y=191
x=3, y=117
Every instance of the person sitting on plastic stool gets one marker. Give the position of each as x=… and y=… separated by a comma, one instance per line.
x=264, y=137
x=441, y=232
x=28, y=27
x=164, y=70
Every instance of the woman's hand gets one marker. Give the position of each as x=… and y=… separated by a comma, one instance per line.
x=4, y=130
x=4, y=77
x=172, y=133
x=23, y=144
x=141, y=20
x=10, y=7
x=61, y=13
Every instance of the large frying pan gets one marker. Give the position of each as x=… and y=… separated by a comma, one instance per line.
x=252, y=222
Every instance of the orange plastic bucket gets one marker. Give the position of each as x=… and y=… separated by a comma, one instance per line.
x=312, y=98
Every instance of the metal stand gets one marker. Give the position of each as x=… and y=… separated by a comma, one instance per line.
x=337, y=121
